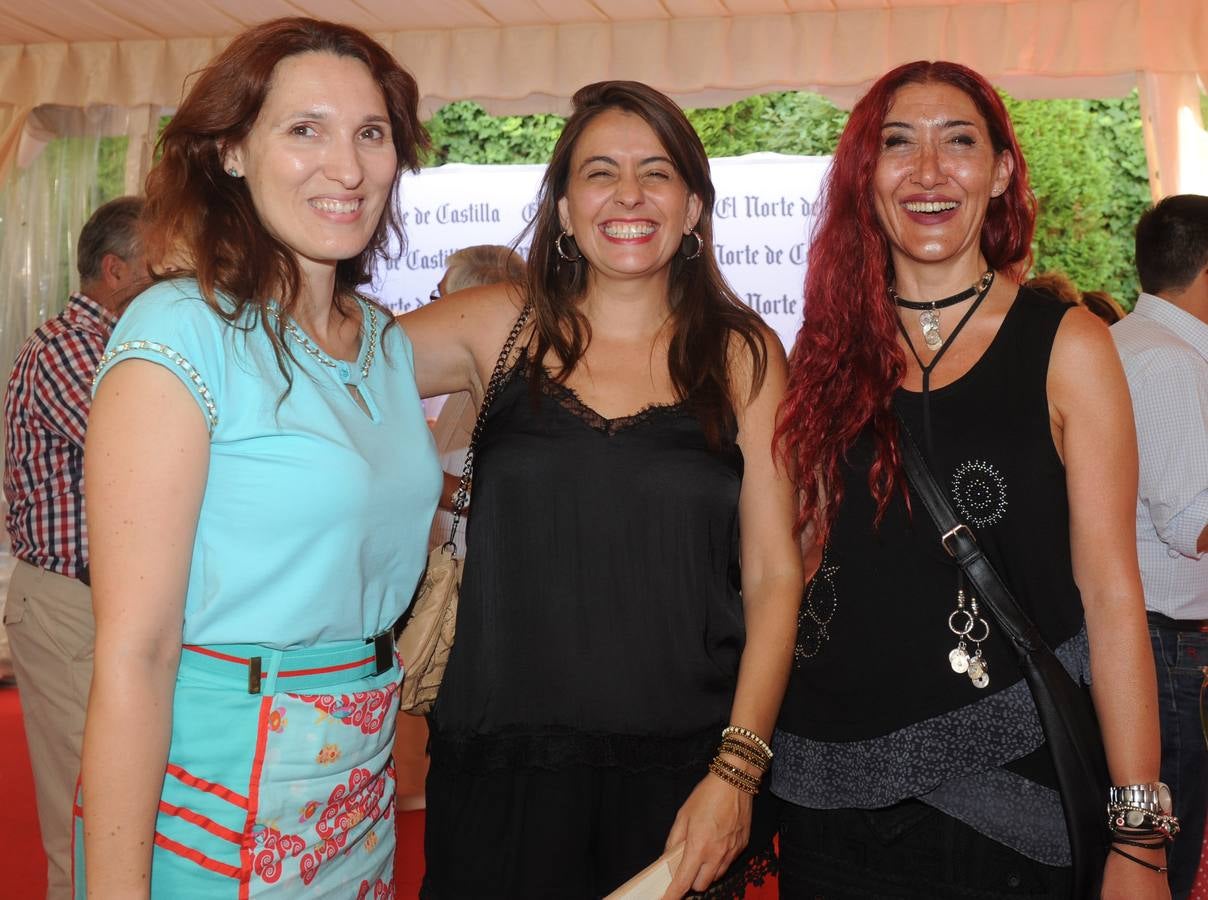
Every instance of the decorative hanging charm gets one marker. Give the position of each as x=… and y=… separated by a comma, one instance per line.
x=964, y=623
x=929, y=321
x=959, y=658
x=929, y=310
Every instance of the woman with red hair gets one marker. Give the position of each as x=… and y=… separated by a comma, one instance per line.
x=905, y=742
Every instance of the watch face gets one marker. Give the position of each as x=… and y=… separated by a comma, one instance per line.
x=1165, y=804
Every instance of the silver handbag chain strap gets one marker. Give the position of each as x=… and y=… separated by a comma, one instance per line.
x=501, y=368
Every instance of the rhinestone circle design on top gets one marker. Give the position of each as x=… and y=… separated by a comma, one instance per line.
x=818, y=606
x=980, y=492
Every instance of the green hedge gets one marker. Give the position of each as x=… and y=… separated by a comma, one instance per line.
x=1086, y=159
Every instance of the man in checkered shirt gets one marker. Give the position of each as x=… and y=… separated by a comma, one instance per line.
x=1163, y=344
x=49, y=609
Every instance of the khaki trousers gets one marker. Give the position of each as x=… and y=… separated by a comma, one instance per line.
x=50, y=628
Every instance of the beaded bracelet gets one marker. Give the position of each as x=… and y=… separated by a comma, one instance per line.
x=734, y=777
x=745, y=752
x=1156, y=824
x=750, y=736
x=741, y=774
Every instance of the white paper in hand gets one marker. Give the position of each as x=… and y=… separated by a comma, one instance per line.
x=652, y=882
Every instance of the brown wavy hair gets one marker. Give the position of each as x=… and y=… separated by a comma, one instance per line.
x=706, y=313
x=200, y=221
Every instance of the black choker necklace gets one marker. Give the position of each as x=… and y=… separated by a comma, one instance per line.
x=929, y=315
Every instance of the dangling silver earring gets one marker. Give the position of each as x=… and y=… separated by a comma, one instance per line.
x=575, y=255
x=684, y=245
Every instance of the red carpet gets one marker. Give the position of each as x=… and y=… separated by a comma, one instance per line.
x=21, y=857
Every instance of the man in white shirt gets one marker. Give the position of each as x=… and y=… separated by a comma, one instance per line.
x=1164, y=347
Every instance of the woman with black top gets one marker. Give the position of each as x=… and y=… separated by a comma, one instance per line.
x=614, y=616
x=908, y=748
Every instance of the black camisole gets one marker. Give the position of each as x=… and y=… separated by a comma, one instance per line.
x=600, y=620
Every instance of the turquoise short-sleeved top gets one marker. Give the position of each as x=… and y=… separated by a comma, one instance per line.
x=314, y=523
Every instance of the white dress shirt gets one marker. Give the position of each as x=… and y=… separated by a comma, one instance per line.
x=1165, y=354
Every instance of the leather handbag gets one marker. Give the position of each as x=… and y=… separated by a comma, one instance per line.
x=1066, y=713
x=427, y=638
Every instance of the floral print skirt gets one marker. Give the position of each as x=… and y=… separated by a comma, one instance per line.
x=286, y=792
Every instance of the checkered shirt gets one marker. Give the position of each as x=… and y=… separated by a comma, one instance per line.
x=45, y=417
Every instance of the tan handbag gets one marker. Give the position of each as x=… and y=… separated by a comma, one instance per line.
x=427, y=638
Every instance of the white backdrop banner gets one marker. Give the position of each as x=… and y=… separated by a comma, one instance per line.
x=762, y=219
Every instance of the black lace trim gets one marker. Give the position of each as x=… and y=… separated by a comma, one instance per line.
x=566, y=397
x=758, y=868
x=553, y=750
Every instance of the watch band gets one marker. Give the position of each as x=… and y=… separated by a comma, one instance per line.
x=1153, y=796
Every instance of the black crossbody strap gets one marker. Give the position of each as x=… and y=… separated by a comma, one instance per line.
x=1063, y=707
x=962, y=546
x=497, y=376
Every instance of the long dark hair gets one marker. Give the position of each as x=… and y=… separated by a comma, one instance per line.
x=705, y=312
x=200, y=221
x=846, y=362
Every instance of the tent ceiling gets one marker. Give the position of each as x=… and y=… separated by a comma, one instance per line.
x=517, y=56
x=530, y=55
x=116, y=20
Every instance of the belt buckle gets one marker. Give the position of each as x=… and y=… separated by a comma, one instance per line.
x=955, y=532
x=383, y=651
x=253, y=675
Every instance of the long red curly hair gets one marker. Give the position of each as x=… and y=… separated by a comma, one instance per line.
x=846, y=362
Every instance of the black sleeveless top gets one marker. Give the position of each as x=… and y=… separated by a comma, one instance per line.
x=871, y=678
x=600, y=620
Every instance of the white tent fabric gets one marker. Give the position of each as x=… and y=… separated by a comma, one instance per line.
x=530, y=55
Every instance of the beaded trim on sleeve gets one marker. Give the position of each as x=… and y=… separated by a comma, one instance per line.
x=172, y=356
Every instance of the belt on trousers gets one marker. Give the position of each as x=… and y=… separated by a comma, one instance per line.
x=251, y=665
x=1160, y=621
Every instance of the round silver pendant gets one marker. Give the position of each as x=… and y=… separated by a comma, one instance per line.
x=976, y=667
x=959, y=661
x=981, y=680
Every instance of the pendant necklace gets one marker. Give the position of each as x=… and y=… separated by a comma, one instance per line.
x=929, y=310
x=981, y=289
x=966, y=621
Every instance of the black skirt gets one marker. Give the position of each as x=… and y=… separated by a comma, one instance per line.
x=570, y=834
x=909, y=850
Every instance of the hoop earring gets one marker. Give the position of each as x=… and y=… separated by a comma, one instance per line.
x=700, y=245
x=569, y=257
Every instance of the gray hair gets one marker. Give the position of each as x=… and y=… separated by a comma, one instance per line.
x=481, y=265
x=113, y=228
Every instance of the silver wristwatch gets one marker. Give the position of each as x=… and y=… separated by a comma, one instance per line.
x=1153, y=797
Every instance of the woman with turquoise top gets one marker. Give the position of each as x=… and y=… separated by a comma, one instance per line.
x=260, y=481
